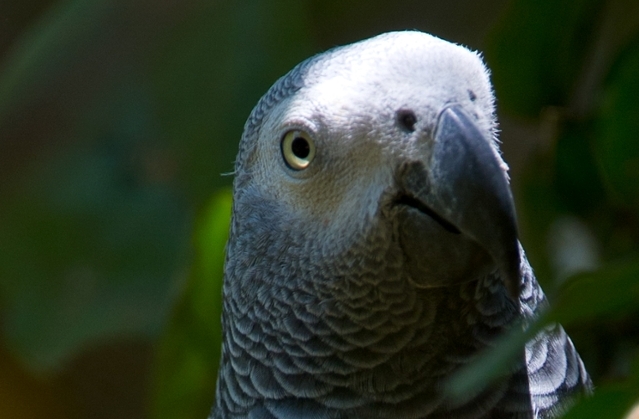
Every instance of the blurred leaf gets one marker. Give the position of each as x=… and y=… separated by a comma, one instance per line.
x=540, y=207
x=92, y=241
x=212, y=71
x=617, y=142
x=46, y=49
x=610, y=291
x=491, y=364
x=189, y=351
x=613, y=291
x=94, y=229
x=577, y=180
x=17, y=390
x=536, y=52
x=610, y=400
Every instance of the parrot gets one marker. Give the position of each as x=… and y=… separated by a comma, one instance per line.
x=373, y=248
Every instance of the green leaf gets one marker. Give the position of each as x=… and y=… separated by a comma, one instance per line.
x=612, y=400
x=536, y=52
x=491, y=363
x=616, y=146
x=611, y=291
x=84, y=259
x=189, y=351
x=577, y=181
x=93, y=227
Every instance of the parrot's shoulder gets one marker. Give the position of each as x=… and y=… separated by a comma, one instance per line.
x=532, y=299
x=555, y=370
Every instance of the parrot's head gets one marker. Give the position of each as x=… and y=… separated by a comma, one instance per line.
x=388, y=143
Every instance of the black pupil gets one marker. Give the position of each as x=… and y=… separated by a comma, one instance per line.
x=300, y=148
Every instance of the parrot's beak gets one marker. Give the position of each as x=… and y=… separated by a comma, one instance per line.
x=466, y=191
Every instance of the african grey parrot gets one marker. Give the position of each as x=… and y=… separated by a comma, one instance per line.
x=373, y=248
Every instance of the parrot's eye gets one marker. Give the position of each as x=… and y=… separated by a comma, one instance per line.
x=298, y=149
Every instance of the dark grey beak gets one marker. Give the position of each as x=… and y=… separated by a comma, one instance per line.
x=472, y=191
x=467, y=188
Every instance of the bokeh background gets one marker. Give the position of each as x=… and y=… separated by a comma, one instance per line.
x=119, y=122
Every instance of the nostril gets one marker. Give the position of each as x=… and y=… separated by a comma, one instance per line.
x=407, y=119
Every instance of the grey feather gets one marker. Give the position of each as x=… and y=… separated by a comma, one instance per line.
x=355, y=287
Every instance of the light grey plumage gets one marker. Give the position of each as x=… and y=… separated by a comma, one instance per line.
x=355, y=285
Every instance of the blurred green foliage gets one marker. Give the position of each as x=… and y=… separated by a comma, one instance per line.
x=617, y=131
x=188, y=352
x=118, y=119
x=537, y=49
x=571, y=66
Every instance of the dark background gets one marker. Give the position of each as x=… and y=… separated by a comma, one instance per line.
x=118, y=119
